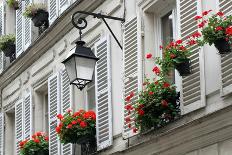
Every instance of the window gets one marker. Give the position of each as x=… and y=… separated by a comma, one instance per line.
x=41, y=109
x=167, y=36
x=90, y=95
x=9, y=132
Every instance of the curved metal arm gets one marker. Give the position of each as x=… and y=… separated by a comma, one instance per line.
x=95, y=15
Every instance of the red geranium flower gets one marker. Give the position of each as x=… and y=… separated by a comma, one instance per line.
x=140, y=112
x=179, y=41
x=83, y=124
x=166, y=85
x=132, y=94
x=197, y=17
x=39, y=133
x=229, y=30
x=172, y=56
x=151, y=93
x=219, y=28
x=36, y=140
x=149, y=55
x=69, y=126
x=58, y=129
x=196, y=35
x=161, y=47
x=204, y=13
x=156, y=70
x=192, y=42
x=164, y=103
x=128, y=107
x=135, y=130
x=59, y=116
x=128, y=119
x=220, y=13
x=74, y=122
x=46, y=138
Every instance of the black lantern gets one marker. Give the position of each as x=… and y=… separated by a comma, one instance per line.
x=80, y=65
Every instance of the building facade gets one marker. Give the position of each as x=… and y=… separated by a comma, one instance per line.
x=35, y=87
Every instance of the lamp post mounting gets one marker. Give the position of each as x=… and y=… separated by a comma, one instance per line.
x=78, y=21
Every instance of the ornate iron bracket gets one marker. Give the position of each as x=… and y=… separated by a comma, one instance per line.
x=81, y=23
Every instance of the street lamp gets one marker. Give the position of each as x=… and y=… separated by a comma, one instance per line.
x=81, y=64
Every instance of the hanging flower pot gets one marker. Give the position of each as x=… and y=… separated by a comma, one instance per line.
x=40, y=18
x=223, y=46
x=77, y=128
x=184, y=68
x=217, y=30
x=7, y=45
x=38, y=14
x=37, y=145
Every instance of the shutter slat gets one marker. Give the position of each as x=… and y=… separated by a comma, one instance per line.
x=103, y=94
x=26, y=27
x=54, y=110
x=226, y=60
x=27, y=116
x=18, y=125
x=66, y=103
x=191, y=85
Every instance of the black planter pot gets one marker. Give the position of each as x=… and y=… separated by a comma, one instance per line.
x=223, y=46
x=10, y=52
x=87, y=143
x=42, y=152
x=184, y=68
x=85, y=139
x=40, y=18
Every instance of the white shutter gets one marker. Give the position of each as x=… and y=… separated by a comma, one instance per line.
x=54, y=109
x=53, y=10
x=2, y=24
x=2, y=61
x=18, y=125
x=63, y=5
x=26, y=27
x=226, y=60
x=131, y=67
x=193, y=88
x=19, y=30
x=2, y=129
x=103, y=94
x=66, y=103
x=27, y=116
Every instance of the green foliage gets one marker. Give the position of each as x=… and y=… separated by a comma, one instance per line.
x=157, y=105
x=215, y=28
x=12, y=3
x=174, y=53
x=38, y=145
x=6, y=40
x=75, y=126
x=32, y=9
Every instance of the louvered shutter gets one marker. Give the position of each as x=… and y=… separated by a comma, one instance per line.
x=18, y=125
x=66, y=103
x=27, y=116
x=2, y=56
x=2, y=61
x=193, y=89
x=19, y=30
x=63, y=5
x=131, y=74
x=26, y=27
x=226, y=60
x=53, y=10
x=54, y=109
x=2, y=129
x=103, y=94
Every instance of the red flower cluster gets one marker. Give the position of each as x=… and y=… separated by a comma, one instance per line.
x=156, y=70
x=149, y=55
x=229, y=31
x=37, y=138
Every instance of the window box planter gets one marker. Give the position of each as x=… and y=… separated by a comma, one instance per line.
x=222, y=46
x=184, y=68
x=40, y=18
